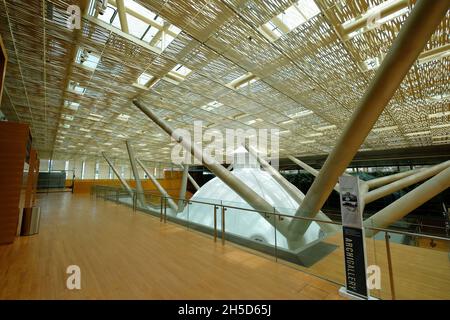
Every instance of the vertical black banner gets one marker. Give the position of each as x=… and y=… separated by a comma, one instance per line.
x=353, y=234
x=355, y=265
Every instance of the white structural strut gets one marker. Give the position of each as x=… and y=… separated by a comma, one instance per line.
x=234, y=183
x=378, y=182
x=405, y=182
x=191, y=179
x=194, y=183
x=183, y=187
x=122, y=181
x=292, y=190
x=410, y=201
x=309, y=169
x=158, y=186
x=409, y=43
x=139, y=189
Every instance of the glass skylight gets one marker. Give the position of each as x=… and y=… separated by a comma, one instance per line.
x=87, y=59
x=76, y=88
x=181, y=70
x=288, y=20
x=71, y=105
x=212, y=105
x=246, y=83
x=142, y=24
x=144, y=78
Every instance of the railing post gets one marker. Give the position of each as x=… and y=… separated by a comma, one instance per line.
x=165, y=210
x=223, y=224
x=275, y=228
x=161, y=209
x=388, y=254
x=215, y=223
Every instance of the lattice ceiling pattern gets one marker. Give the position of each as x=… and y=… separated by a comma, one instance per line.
x=231, y=64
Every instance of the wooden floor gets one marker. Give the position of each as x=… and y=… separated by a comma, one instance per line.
x=124, y=255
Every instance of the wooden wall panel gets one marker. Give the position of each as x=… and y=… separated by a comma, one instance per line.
x=172, y=186
x=13, y=145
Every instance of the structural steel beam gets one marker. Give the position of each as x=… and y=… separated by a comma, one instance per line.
x=194, y=183
x=122, y=15
x=234, y=183
x=139, y=189
x=405, y=182
x=411, y=40
x=310, y=169
x=158, y=186
x=384, y=11
x=122, y=181
x=292, y=190
x=410, y=201
x=378, y=182
x=183, y=187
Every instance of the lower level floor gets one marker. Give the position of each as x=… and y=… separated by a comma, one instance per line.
x=127, y=255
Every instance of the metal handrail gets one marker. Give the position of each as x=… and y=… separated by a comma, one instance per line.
x=413, y=234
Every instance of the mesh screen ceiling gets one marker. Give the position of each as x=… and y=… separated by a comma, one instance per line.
x=306, y=82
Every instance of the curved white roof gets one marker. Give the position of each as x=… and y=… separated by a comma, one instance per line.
x=240, y=222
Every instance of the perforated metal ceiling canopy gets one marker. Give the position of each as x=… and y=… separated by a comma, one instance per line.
x=231, y=64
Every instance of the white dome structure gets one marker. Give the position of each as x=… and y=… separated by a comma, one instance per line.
x=245, y=223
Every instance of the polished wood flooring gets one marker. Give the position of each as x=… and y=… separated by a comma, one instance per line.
x=126, y=255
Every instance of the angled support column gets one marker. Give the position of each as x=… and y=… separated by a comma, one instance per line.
x=139, y=189
x=292, y=190
x=191, y=179
x=411, y=40
x=378, y=182
x=410, y=201
x=183, y=187
x=310, y=169
x=234, y=183
x=122, y=15
x=405, y=182
x=194, y=183
x=122, y=181
x=158, y=186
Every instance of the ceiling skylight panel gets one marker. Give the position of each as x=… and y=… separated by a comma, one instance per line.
x=288, y=20
x=76, y=88
x=291, y=18
x=181, y=70
x=308, y=8
x=144, y=78
x=136, y=27
x=87, y=59
x=134, y=6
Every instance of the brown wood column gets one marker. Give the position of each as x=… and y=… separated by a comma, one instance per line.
x=15, y=140
x=30, y=180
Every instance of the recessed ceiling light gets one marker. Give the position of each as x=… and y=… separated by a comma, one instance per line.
x=123, y=117
x=300, y=114
x=71, y=105
x=326, y=127
x=87, y=59
x=439, y=126
x=381, y=129
x=419, y=133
